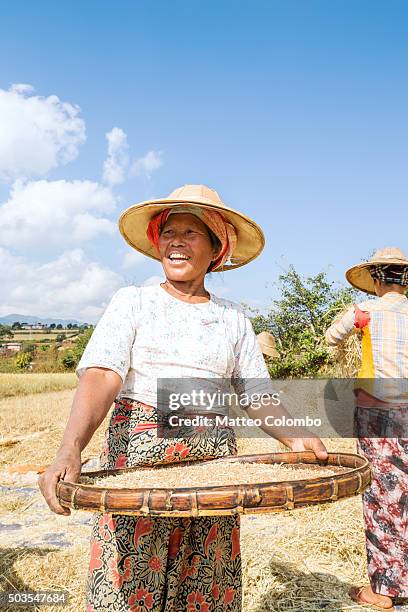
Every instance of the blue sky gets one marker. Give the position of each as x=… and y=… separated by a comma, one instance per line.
x=296, y=112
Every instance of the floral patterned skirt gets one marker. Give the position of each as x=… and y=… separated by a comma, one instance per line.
x=385, y=505
x=162, y=564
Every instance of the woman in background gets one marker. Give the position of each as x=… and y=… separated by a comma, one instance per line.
x=381, y=403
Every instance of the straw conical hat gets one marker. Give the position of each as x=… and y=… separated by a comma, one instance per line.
x=134, y=220
x=359, y=276
x=268, y=344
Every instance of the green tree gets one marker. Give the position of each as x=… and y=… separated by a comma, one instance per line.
x=81, y=342
x=68, y=359
x=298, y=321
x=5, y=332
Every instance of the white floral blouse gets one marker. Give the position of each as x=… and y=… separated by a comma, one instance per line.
x=146, y=334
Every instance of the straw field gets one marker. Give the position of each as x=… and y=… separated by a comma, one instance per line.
x=12, y=385
x=299, y=561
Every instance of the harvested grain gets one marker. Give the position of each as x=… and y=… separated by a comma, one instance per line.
x=217, y=473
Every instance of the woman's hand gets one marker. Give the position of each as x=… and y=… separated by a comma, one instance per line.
x=66, y=466
x=96, y=391
x=314, y=444
x=298, y=439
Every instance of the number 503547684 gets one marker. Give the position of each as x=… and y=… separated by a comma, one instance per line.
x=20, y=598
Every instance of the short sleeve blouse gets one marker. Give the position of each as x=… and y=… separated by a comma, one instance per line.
x=146, y=334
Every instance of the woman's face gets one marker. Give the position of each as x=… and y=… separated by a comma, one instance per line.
x=185, y=247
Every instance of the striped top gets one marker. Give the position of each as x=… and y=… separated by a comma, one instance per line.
x=388, y=328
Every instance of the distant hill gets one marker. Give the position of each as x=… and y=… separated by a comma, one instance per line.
x=11, y=318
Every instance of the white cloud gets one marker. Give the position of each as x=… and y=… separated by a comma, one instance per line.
x=87, y=227
x=132, y=259
x=115, y=165
x=45, y=213
x=145, y=166
x=22, y=88
x=51, y=218
x=69, y=287
x=36, y=133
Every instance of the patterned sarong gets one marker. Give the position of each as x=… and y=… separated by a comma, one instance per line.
x=385, y=504
x=162, y=564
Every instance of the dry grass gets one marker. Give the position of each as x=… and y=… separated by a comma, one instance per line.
x=37, y=569
x=12, y=503
x=307, y=561
x=37, y=335
x=42, y=414
x=12, y=385
x=299, y=561
x=310, y=558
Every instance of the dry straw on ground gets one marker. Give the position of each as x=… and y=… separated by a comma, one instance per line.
x=45, y=569
x=43, y=414
x=299, y=561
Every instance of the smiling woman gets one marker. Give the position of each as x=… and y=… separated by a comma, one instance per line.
x=185, y=247
x=185, y=241
x=175, y=330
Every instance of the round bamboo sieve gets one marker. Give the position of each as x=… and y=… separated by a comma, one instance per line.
x=226, y=499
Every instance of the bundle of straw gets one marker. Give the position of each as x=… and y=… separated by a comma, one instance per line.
x=347, y=357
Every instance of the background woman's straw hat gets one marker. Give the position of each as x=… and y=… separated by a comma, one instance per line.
x=359, y=276
x=134, y=220
x=268, y=344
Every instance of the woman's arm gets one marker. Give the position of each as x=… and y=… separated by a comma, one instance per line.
x=97, y=389
x=341, y=328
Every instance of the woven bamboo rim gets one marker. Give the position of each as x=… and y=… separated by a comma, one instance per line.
x=225, y=499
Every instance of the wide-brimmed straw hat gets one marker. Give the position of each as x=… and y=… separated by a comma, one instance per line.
x=134, y=220
x=359, y=276
x=268, y=344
